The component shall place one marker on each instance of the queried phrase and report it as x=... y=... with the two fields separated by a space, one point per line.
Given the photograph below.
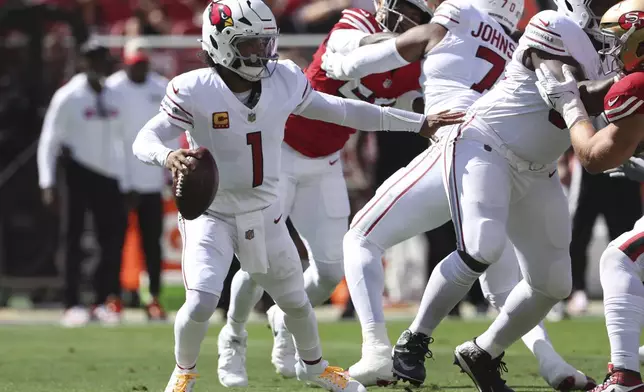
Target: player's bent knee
x=560 y=288
x=487 y=244
x=612 y=259
x=351 y=239
x=201 y=305
x=294 y=304
x=330 y=272
x=617 y=272
x=496 y=300
x=556 y=284
x=355 y=243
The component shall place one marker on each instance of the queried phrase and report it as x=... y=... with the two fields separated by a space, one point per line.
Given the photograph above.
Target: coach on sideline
x=142 y=90
x=84 y=126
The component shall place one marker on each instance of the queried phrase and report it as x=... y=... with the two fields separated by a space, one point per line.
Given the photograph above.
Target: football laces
x=178 y=188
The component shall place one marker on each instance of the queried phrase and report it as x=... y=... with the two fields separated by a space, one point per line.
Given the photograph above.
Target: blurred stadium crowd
x=40 y=45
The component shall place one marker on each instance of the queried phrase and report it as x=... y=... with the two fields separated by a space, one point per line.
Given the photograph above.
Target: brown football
x=194 y=192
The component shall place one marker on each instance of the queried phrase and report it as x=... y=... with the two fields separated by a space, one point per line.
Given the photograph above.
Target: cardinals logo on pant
x=220 y=16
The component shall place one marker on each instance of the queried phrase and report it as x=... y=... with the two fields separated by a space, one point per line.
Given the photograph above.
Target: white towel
x=251 y=242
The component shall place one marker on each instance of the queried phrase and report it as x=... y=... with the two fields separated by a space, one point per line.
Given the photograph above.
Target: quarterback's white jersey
x=468 y=61
x=246 y=143
x=515 y=110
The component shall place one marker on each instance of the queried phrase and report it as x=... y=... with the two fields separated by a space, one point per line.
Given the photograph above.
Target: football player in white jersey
x=502 y=181
x=363 y=244
x=313 y=189
x=622 y=263
x=382 y=224
x=237 y=108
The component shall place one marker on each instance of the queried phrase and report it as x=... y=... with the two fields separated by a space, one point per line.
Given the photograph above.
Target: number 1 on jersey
x=498 y=66
x=254 y=140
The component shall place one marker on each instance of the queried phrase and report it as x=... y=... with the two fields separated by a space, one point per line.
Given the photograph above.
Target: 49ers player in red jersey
x=313 y=188
x=616 y=145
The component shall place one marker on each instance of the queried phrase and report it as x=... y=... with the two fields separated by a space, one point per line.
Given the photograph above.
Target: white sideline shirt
x=143 y=100
x=95 y=142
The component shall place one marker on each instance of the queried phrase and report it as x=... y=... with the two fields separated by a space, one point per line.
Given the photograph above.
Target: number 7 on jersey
x=254 y=140
x=498 y=66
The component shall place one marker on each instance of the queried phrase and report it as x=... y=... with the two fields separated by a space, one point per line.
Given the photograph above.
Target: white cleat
x=563 y=377
x=231 y=366
x=578 y=303
x=641 y=352
x=557 y=313
x=327 y=377
x=182 y=380
x=75 y=317
x=283 y=354
x=375 y=367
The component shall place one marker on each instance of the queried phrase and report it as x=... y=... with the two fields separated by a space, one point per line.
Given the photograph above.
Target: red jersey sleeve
x=358 y=19
x=625 y=98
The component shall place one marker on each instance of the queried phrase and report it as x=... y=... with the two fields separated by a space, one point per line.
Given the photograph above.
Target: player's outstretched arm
x=365 y=116
x=376 y=38
x=148 y=146
x=384 y=56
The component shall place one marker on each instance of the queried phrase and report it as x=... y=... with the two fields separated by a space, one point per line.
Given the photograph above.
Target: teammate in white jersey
x=237 y=108
x=501 y=179
x=313 y=189
x=622 y=263
x=452 y=44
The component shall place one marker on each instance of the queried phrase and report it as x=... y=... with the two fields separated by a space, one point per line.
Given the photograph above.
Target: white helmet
x=587 y=17
x=507 y=12
x=385 y=8
x=241 y=35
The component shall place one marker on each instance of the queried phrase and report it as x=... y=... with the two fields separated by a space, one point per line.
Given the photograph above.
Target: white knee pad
x=200 y=305
x=487 y=243
x=294 y=304
x=555 y=281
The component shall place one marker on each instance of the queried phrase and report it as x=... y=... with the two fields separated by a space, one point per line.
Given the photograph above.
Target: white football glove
x=561 y=96
x=633 y=169
x=332 y=64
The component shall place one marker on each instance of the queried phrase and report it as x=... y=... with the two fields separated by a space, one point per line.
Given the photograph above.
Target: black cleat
x=482 y=369
x=409 y=355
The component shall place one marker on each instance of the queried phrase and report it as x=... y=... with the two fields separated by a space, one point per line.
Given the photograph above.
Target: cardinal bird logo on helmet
x=220 y=16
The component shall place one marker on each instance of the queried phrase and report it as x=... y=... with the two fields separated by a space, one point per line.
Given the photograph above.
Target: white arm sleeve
x=358 y=114
x=372 y=59
x=53 y=131
x=148 y=146
x=344 y=41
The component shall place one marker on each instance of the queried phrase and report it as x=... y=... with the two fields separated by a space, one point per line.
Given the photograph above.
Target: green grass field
x=139 y=358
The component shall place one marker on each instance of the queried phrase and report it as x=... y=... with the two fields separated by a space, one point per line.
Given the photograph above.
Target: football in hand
x=195 y=191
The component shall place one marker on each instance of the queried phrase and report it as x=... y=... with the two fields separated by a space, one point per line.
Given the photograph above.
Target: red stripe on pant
x=634 y=247
x=390 y=206
x=384 y=193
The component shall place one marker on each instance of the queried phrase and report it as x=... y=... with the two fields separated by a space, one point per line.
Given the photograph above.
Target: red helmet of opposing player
x=398 y=16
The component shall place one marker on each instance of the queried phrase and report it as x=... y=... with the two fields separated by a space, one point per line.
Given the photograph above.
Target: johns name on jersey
x=487 y=33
